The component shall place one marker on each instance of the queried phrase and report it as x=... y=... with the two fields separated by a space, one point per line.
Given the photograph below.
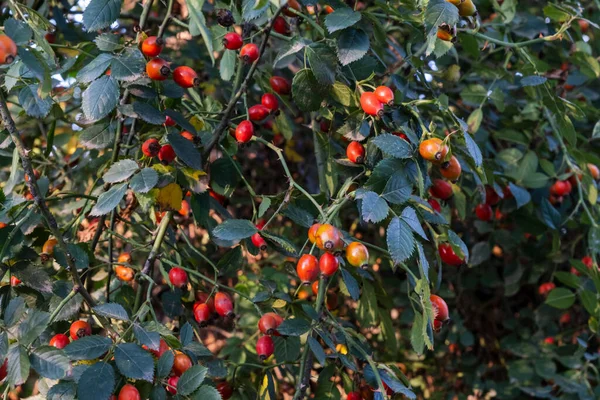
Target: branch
x=39 y=200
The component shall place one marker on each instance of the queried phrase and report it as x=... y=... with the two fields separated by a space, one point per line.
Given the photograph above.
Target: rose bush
x=255 y=199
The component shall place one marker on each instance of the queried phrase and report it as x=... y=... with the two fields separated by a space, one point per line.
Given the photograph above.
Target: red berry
x=158 y=69
x=484 y=212
x=14 y=281
x=169 y=121
x=152 y=46
x=354 y=396
x=440 y=308
x=232 y=41
x=370 y=104
x=441 y=189
x=280 y=85
x=448 y=255
x=249 y=53
x=172 y=384
x=561 y=188
x=270 y=101
x=203 y=297
x=185 y=77
x=588 y=261
x=307 y=268
x=435 y=205
x=259 y=242
x=385 y=95
x=565 y=319
x=225 y=390
x=178 y=277
x=491 y=197
x=258 y=112
x=223 y=305
x=451 y=169
x=269 y=322
x=202 y=313
x=80 y=329
x=150 y=148
x=129 y=392
x=244 y=131
x=181 y=363
x=188 y=135
x=355 y=152
x=4 y=369
x=60 y=341
x=546 y=288
x=549 y=340
x=328 y=264
x=281 y=26
x=265 y=347
x=401 y=136
x=166 y=154
x=162 y=349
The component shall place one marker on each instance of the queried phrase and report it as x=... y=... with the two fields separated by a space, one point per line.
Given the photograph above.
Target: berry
x=249 y=53
x=259 y=242
x=441 y=189
x=223 y=305
x=181 y=363
x=307 y=268
x=202 y=313
x=435 y=205
x=594 y=170
x=588 y=261
x=466 y=8
x=203 y=297
x=60 y=341
x=312 y=233
x=178 y=277
x=491 y=197
x=370 y=104
x=80 y=329
x=125 y=258
x=166 y=154
x=265 y=347
x=269 y=100
x=445 y=35
x=433 y=150
x=244 y=131
x=357 y=255
x=560 y=188
x=14 y=281
x=269 y=322
x=315 y=287
x=185 y=208
x=163 y=347
x=354 y=396
x=328 y=238
x=232 y=41
x=385 y=95
x=158 y=69
x=4 y=369
x=546 y=288
x=185 y=77
x=292 y=4
x=281 y=26
x=151 y=147
x=484 y=212
x=225 y=390
x=440 y=308
x=129 y=392
x=451 y=169
x=549 y=340
x=448 y=255
x=169 y=121
x=258 y=112
x=8 y=50
x=280 y=85
x=48 y=247
x=225 y=18
x=152 y=46
x=355 y=152
x=328 y=264
x=124 y=273
x=401 y=136
x=565 y=319
x=172 y=384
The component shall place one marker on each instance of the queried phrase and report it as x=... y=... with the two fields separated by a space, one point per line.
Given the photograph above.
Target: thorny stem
x=61 y=305
x=163 y=26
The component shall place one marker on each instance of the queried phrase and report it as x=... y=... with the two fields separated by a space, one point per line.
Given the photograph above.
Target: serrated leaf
x=287 y=349
x=367 y=306
x=456 y=241
x=18 y=365
x=374 y=208
x=185 y=151
x=227 y=65
x=107 y=41
x=409 y=215
x=197 y=25
x=191 y=379
x=180 y=119
x=560 y=298
x=416 y=334
x=62 y=391
x=120 y=171
x=144 y=180
x=33 y=276
x=146 y=338
x=206 y=393
x=50 y=362
x=341 y=18
x=165 y=364
x=147 y=113
x=438 y=12
x=393 y=145
x=128 y=66
x=186 y=334
x=317 y=350
x=78 y=254
x=323 y=62
x=97 y=136
x=134 y=362
x=97 y=382
x=550 y=216
x=31 y=102
x=95 y=68
x=281 y=244
x=533 y=80
x=400 y=240
x=18 y=31
x=110 y=199
x=88 y=347
x=100 y=98
x=307 y=92
x=32 y=326
x=112 y=310
x=293 y=327
x=353 y=44
x=398 y=188
x=520 y=194
x=235 y=229
x=101 y=13
x=351 y=284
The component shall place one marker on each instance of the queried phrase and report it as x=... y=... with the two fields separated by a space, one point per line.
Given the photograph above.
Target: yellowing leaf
x=170 y=196
x=197 y=123
x=163 y=169
x=264 y=388
x=279 y=303
x=290 y=152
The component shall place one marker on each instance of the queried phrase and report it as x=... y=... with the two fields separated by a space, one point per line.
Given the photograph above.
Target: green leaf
x=293 y=327
x=235 y=229
x=351 y=284
x=32 y=276
x=62 y=391
x=345 y=96
x=112 y=310
x=374 y=208
x=456 y=241
x=307 y=92
x=146 y=338
x=77 y=253
x=32 y=327
x=299 y=215
x=281 y=244
x=560 y=298
x=317 y=350
x=480 y=253
x=400 y=240
x=398 y=188
x=353 y=44
x=97 y=382
x=409 y=215
x=227 y=65
x=97 y=136
x=165 y=363
x=393 y=145
x=185 y=151
x=521 y=195
x=197 y=25
x=95 y=68
x=147 y=113
x=323 y=62
x=533 y=80
x=567 y=278
x=101 y=13
x=108 y=200
x=134 y=362
x=107 y=41
x=287 y=348
x=180 y=119
x=18 y=31
x=128 y=66
x=231 y=262
x=206 y=393
x=326 y=387
x=14 y=311
x=550 y=216
x=88 y=347
x=367 y=306
x=100 y=98
x=31 y=102
x=191 y=380
x=438 y=12
x=144 y=180
x=473 y=150
x=50 y=362
x=120 y=171
x=589 y=300
x=186 y=334
x=18 y=365
x=341 y=18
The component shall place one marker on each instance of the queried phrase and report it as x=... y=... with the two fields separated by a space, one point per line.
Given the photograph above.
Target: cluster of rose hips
x=258 y=113
x=436 y=150
x=372 y=103
x=158 y=69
